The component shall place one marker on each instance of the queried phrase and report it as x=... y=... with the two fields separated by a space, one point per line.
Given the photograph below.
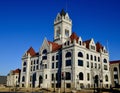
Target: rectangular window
x=37 y=61
x=98 y=66
x=88 y=76
x=88 y=64
x=91 y=65
x=68 y=85
x=37 y=67
x=52 y=58
x=52 y=65
x=68 y=62
x=52 y=77
x=46 y=76
x=105 y=67
x=95 y=65
x=80 y=62
x=56 y=64
x=56 y=57
x=46 y=66
x=24 y=69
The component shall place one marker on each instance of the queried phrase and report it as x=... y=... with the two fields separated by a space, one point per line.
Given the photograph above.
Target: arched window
x=87 y=56
x=105 y=60
x=106 y=78
x=44 y=51
x=68 y=76
x=81 y=76
x=24 y=64
x=68 y=54
x=80 y=54
x=91 y=57
x=23 y=79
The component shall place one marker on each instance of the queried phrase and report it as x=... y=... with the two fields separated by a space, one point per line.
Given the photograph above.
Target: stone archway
x=40 y=80
x=96 y=81
x=33 y=80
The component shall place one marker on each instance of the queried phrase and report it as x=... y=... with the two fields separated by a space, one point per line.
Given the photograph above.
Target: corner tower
x=62 y=27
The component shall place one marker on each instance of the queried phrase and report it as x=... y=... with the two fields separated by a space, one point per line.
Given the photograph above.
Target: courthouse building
x=67 y=61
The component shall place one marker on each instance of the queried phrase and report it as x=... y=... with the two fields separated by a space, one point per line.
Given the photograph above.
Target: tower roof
x=31 y=51
x=62 y=13
x=74 y=37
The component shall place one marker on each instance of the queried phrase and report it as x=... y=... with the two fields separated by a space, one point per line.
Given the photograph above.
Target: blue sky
x=25 y=23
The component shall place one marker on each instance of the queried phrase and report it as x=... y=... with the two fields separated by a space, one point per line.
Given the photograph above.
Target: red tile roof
x=31 y=51
x=87 y=42
x=74 y=37
x=115 y=61
x=55 y=46
x=16 y=71
x=98 y=47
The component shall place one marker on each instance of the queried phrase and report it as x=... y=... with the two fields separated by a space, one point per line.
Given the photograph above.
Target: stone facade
x=13 y=78
x=67 y=62
x=115 y=73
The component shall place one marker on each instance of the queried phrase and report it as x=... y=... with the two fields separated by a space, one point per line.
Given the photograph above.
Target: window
x=80 y=54
x=52 y=65
x=80 y=43
x=116 y=76
x=52 y=77
x=80 y=76
x=44 y=57
x=23 y=79
x=80 y=62
x=95 y=65
x=68 y=42
x=37 y=67
x=105 y=67
x=68 y=76
x=68 y=85
x=91 y=65
x=34 y=61
x=98 y=59
x=56 y=57
x=56 y=64
x=44 y=51
x=31 y=62
x=66 y=32
x=34 y=68
x=52 y=58
x=24 y=69
x=87 y=56
x=106 y=78
x=93 y=47
x=45 y=65
x=105 y=60
x=31 y=68
x=68 y=62
x=24 y=64
x=88 y=76
x=46 y=76
x=115 y=69
x=68 y=54
x=56 y=76
x=88 y=64
x=91 y=57
x=37 y=61
x=98 y=66
x=94 y=58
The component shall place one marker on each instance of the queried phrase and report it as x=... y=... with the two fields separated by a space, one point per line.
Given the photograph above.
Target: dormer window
x=92 y=47
x=66 y=32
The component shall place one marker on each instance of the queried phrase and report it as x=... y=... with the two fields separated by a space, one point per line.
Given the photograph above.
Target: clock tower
x=62 y=27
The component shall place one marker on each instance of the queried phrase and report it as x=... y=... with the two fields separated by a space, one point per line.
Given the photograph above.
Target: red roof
x=74 y=37
x=98 y=47
x=55 y=46
x=115 y=61
x=31 y=51
x=16 y=71
x=87 y=42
